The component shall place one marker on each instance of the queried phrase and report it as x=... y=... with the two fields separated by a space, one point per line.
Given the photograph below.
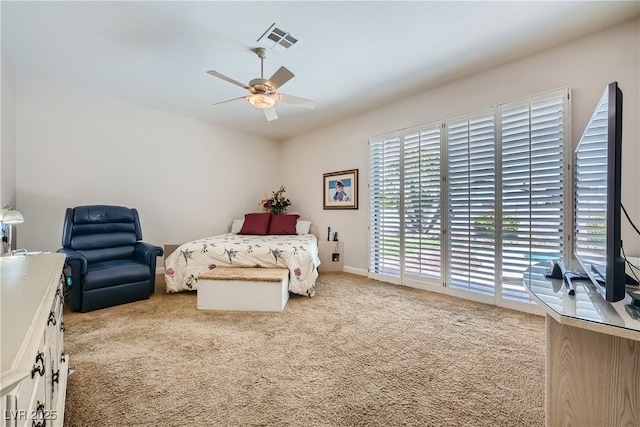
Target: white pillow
x=302 y=226
x=236 y=225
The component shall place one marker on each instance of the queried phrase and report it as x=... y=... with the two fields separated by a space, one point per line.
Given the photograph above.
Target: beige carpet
x=359 y=353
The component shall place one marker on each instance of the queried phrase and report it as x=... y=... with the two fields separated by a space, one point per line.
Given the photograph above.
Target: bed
x=296 y=252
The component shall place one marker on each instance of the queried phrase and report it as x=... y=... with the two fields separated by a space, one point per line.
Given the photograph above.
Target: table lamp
x=8 y=217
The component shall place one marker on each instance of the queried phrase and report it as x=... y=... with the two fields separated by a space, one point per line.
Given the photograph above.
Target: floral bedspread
x=298 y=253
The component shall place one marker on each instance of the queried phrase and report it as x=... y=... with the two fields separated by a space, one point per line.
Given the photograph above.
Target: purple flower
x=231 y=253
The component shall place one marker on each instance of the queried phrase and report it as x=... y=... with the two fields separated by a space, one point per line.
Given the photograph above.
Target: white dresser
x=33 y=379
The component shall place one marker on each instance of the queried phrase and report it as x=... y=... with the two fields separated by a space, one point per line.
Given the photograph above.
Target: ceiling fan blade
x=229 y=79
x=230 y=100
x=270 y=114
x=280 y=77
x=295 y=100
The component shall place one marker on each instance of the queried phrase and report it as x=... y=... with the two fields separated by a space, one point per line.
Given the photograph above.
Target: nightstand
x=331 y=255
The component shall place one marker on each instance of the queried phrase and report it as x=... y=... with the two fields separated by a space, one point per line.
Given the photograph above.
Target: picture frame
x=340 y=190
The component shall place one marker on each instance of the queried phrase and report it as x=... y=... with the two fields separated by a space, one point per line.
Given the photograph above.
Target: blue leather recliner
x=109 y=263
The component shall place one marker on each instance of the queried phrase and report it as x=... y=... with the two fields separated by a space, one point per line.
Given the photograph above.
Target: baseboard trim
x=355 y=270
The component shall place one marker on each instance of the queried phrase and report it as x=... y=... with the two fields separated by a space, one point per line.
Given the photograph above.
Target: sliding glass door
x=465 y=205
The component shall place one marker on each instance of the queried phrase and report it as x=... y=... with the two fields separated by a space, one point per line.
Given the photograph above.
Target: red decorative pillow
x=256 y=223
x=283 y=224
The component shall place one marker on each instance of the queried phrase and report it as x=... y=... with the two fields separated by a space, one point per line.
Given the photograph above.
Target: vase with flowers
x=277 y=203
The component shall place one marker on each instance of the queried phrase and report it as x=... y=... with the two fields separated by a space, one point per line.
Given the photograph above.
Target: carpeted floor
x=359 y=353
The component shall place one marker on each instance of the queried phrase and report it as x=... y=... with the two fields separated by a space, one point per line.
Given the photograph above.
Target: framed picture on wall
x=340 y=190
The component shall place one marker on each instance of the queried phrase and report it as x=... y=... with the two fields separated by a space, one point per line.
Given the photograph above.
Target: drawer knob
x=38 y=368
x=40 y=414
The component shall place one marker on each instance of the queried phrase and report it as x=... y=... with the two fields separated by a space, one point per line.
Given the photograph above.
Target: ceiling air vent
x=278 y=39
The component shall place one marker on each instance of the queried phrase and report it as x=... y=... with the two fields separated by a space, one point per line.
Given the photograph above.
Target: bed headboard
x=313 y=229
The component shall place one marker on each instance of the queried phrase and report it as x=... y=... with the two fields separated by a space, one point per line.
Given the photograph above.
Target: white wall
x=8 y=132
x=187 y=178
x=586 y=65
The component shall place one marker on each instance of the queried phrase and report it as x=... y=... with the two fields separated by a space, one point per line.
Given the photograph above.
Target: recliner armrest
x=78 y=265
x=75 y=260
x=148 y=252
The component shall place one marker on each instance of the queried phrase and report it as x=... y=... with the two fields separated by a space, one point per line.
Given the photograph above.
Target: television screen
x=597 y=169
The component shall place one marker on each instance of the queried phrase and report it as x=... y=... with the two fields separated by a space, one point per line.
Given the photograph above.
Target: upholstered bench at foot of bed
x=243 y=289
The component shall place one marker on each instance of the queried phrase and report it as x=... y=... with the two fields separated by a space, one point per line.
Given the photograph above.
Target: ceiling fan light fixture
x=262 y=101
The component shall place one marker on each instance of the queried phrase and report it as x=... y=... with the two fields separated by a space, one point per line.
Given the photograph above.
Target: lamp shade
x=10 y=216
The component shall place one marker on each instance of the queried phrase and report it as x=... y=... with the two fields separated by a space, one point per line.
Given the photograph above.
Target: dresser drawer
x=54 y=332
x=27 y=402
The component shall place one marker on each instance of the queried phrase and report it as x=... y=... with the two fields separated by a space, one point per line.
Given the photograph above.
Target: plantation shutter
x=471 y=185
x=385 y=186
x=532 y=187
x=472 y=204
x=421 y=201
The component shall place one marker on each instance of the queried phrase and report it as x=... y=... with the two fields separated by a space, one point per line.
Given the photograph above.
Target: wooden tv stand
x=592 y=354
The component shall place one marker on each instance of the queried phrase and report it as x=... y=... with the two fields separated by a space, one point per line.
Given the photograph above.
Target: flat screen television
x=597 y=174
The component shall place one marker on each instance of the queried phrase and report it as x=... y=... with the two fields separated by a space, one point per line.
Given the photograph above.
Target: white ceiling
x=353 y=55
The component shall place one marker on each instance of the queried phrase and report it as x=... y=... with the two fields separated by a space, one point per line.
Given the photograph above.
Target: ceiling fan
x=263 y=93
